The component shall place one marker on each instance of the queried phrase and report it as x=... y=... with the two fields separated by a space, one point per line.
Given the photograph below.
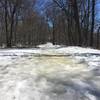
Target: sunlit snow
x=50 y=72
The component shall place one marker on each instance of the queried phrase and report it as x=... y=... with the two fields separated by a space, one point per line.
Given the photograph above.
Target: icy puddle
x=49 y=78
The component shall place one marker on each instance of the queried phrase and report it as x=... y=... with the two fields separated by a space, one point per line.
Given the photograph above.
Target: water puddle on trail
x=48 y=78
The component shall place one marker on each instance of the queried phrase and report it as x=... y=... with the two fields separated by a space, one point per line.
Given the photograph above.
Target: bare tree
x=93 y=22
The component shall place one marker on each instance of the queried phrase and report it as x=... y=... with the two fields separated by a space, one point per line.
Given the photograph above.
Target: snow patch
x=38 y=77
x=48 y=46
x=78 y=50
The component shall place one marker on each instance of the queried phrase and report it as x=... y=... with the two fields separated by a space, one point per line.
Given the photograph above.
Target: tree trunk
x=93 y=22
x=76 y=17
x=98 y=37
x=6 y=25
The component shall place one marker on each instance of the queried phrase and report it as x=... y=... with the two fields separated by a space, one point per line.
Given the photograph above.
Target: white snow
x=73 y=49
x=48 y=46
x=50 y=73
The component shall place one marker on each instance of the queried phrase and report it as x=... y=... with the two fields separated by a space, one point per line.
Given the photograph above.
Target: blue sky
x=40 y=6
x=98 y=9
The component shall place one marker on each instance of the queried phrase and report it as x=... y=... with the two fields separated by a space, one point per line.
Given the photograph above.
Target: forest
x=49 y=49
x=27 y=23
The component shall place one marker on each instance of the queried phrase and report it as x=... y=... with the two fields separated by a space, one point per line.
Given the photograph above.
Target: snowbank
x=69 y=49
x=48 y=48
x=74 y=77
x=74 y=49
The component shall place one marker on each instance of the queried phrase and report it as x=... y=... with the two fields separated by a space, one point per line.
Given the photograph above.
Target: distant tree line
x=65 y=22
x=76 y=20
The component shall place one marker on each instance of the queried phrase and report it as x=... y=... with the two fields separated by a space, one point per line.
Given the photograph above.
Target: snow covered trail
x=40 y=77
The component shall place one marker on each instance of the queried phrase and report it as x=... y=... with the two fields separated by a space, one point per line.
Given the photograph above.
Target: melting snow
x=50 y=73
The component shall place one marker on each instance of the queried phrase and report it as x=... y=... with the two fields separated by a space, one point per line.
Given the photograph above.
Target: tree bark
x=76 y=17
x=93 y=22
x=98 y=37
x=6 y=25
